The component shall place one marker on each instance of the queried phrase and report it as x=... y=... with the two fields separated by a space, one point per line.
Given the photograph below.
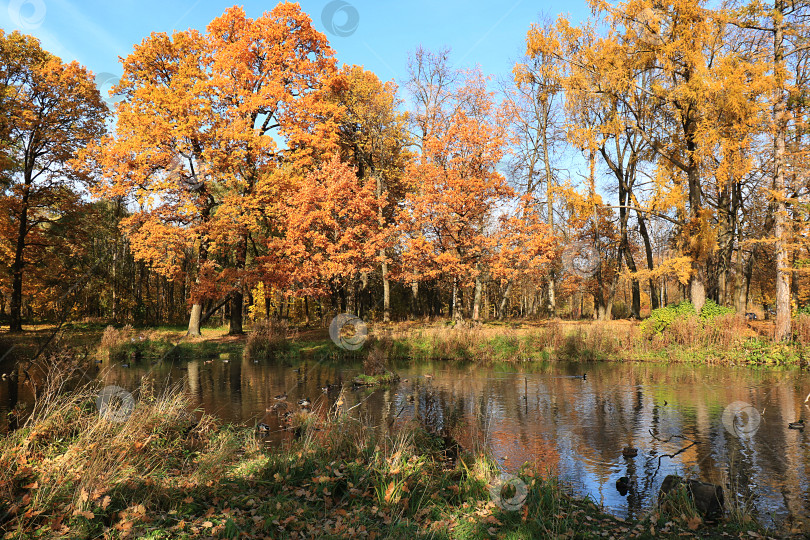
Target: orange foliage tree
x=373 y=138
x=523 y=248
x=213 y=130
x=665 y=75
x=456 y=194
x=332 y=232
x=51 y=111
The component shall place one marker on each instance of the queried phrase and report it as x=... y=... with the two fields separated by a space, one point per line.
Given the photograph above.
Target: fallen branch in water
x=684 y=449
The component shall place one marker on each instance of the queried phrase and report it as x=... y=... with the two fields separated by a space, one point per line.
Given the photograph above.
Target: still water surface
x=551 y=416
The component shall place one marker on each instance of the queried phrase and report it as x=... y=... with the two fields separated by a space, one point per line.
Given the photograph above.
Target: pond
x=549 y=415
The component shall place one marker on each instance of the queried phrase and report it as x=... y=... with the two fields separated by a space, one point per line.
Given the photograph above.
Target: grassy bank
x=726 y=339
x=672 y=335
x=166 y=473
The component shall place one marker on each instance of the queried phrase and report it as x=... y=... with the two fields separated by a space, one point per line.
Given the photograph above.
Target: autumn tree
x=332 y=232
x=674 y=82
x=373 y=138
x=523 y=249
x=51 y=110
x=206 y=134
x=431 y=83
x=456 y=190
x=785 y=25
x=534 y=101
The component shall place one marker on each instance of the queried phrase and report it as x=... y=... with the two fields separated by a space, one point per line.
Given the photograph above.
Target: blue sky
x=376 y=34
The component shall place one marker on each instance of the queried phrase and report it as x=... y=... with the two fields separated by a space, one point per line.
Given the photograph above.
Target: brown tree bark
x=476 y=314
x=782 y=331
x=19 y=260
x=237 y=298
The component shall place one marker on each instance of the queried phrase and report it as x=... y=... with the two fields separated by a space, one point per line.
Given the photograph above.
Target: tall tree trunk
x=782 y=331
x=386 y=290
x=414 y=299
x=624 y=251
x=237 y=298
x=552 y=298
x=731 y=297
x=739 y=280
x=697 y=281
x=457 y=313
x=749 y=272
x=504 y=300
x=599 y=301
x=636 y=298
x=476 y=315
x=196 y=308
x=19 y=259
x=645 y=236
x=194 y=320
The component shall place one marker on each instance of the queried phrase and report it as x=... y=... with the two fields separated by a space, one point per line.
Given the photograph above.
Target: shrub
x=114 y=337
x=122 y=344
x=269 y=337
x=660 y=319
x=712 y=309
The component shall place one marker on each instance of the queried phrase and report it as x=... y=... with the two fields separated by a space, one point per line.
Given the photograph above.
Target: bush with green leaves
x=712 y=309
x=661 y=318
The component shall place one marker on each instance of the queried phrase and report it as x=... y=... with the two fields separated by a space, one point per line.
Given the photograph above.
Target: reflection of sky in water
x=551 y=417
x=589 y=426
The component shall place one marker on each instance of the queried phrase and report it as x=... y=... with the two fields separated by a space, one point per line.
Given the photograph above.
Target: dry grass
x=129 y=343
x=722 y=339
x=114 y=337
x=67 y=458
x=801 y=328
x=591 y=341
x=269 y=337
x=724 y=332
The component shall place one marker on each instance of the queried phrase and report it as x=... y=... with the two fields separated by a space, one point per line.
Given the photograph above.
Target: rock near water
x=708 y=498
